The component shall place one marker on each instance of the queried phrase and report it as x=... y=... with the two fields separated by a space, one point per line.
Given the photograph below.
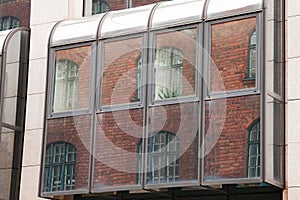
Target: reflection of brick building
x=230 y=51
x=230 y=54
x=120 y=166
x=19 y=9
x=228 y=159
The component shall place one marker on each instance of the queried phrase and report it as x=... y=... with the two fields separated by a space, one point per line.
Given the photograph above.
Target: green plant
x=168 y=93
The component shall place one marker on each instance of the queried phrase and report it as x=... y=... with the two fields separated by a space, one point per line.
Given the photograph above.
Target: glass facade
x=161 y=105
x=13 y=71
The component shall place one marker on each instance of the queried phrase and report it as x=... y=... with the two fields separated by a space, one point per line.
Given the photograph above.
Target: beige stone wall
x=292 y=99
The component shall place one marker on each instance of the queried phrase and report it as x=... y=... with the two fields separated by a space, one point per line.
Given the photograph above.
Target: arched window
x=99 y=6
x=163 y=158
x=8 y=22
x=168 y=73
x=60 y=161
x=253 y=158
x=252 y=55
x=138 y=79
x=66 y=85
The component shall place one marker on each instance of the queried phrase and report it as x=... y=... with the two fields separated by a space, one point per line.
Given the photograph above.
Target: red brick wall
x=120 y=60
x=76 y=131
x=117 y=4
x=228 y=158
x=229 y=52
x=82 y=57
x=119 y=74
x=136 y=3
x=115 y=166
x=122 y=4
x=20 y=9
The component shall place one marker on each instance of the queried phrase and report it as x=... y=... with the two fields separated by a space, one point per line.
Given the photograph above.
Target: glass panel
x=10 y=101
x=121 y=84
x=5 y=186
x=67 y=153
x=172 y=144
x=72 y=79
x=118 y=149
x=230 y=57
x=3 y=36
x=13 y=96
x=222 y=8
x=274 y=149
x=6 y=23
x=171 y=13
x=72 y=31
x=7 y=148
x=126 y=21
x=137 y=3
x=274 y=78
x=174 y=64
x=99 y=6
x=228 y=126
x=93 y=7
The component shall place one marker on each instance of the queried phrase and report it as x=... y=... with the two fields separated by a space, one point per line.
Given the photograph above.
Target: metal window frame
x=67 y=79
x=258 y=142
x=18 y=127
x=181 y=99
x=251 y=47
x=201 y=96
x=259 y=90
x=88 y=7
x=63 y=164
x=165 y=154
x=11 y=20
x=207 y=46
x=51 y=73
x=123 y=106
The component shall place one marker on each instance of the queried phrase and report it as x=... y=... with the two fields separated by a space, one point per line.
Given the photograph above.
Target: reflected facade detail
x=230 y=70
x=66 y=85
x=252 y=56
x=168 y=73
x=60 y=161
x=99 y=6
x=8 y=22
x=233 y=68
x=165 y=107
x=254 y=150
x=163 y=158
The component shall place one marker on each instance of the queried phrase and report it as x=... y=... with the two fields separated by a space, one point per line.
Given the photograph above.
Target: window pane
x=93 y=7
x=174 y=64
x=228 y=149
x=229 y=48
x=119 y=76
x=172 y=143
x=274 y=142
x=11 y=95
x=72 y=79
x=118 y=151
x=67 y=155
x=136 y=3
x=99 y=6
x=6 y=23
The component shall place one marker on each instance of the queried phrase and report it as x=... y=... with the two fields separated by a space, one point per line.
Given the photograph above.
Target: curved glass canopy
x=224 y=8
x=154 y=16
x=172 y=13
x=76 y=30
x=126 y=21
x=3 y=36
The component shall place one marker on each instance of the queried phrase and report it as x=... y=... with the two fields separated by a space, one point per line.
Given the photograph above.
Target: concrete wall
x=292 y=99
